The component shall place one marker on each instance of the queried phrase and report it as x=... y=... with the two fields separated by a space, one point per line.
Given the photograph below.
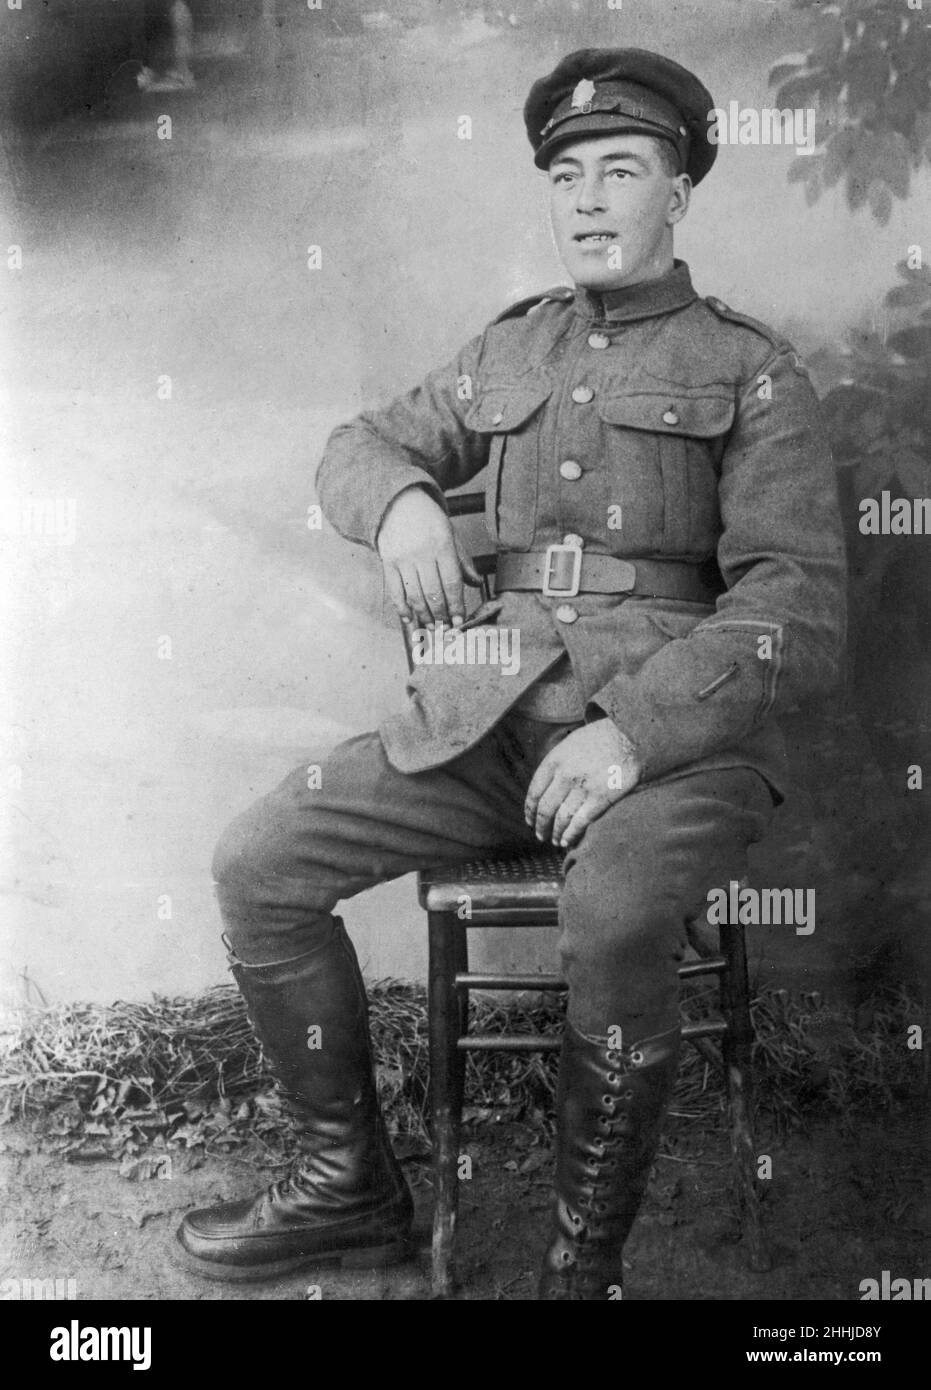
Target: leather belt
x=562 y=571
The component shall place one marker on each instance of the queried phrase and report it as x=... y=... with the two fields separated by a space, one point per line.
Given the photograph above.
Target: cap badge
x=582 y=96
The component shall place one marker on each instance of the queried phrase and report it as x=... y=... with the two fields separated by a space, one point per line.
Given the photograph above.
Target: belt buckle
x=549 y=563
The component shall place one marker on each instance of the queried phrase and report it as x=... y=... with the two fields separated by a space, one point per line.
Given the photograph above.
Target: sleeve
x=421 y=439
x=779 y=631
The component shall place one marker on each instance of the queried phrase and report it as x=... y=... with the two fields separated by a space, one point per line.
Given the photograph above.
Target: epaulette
x=725 y=311
x=775 y=340
x=562 y=293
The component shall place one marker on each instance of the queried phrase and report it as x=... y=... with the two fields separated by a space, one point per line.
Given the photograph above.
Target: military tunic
x=646 y=423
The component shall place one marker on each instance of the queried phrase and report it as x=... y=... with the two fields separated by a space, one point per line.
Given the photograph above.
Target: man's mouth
x=594 y=238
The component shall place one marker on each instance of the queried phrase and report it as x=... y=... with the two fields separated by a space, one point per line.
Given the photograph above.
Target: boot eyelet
x=612 y=1078
x=636 y=1058
x=628 y=1095
x=613 y=1058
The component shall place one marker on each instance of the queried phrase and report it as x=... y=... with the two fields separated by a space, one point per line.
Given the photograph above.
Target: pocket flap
x=700 y=416
x=500 y=409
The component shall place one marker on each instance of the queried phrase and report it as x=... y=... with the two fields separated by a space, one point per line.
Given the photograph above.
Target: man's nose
x=591 y=194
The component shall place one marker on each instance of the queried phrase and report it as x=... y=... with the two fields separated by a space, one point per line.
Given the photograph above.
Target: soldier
x=663 y=506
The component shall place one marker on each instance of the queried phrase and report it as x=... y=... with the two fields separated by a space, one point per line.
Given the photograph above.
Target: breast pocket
x=662 y=456
x=508 y=412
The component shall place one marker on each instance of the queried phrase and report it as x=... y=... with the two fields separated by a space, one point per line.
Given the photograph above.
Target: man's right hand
x=425 y=569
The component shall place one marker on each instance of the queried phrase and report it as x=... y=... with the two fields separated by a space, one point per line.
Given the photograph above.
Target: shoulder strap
x=724 y=311
x=561 y=293
x=775 y=340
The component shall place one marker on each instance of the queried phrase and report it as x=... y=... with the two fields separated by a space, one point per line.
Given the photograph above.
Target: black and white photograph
x=465 y=518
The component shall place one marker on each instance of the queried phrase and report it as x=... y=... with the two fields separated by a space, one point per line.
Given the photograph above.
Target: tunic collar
x=641 y=301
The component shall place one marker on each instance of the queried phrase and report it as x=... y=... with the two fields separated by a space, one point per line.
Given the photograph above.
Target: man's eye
x=619 y=173
x=565 y=177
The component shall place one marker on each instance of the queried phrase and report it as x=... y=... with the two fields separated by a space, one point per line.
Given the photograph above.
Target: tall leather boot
x=346 y=1201
x=610 y=1106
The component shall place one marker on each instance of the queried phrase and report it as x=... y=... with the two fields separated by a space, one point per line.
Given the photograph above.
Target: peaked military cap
x=605 y=91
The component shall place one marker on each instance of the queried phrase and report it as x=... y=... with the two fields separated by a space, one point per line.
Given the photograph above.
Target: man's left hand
x=578 y=780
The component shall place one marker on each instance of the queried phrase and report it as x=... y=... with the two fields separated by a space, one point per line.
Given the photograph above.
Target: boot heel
x=373 y=1255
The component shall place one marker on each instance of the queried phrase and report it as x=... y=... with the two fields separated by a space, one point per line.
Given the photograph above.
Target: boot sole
x=363 y=1257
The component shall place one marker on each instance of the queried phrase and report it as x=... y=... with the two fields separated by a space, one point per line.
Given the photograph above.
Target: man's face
x=613 y=205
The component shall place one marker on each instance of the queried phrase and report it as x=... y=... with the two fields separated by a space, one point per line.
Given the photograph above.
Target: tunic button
x=670 y=417
x=598 y=340
x=566 y=613
x=570 y=470
x=573 y=539
x=582 y=395
x=497 y=417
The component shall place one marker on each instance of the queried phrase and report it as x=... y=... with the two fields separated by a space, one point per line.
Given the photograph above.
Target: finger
x=467 y=566
x=538 y=785
x=395 y=586
x=432 y=586
x=451 y=577
x=572 y=802
x=591 y=808
x=548 y=805
x=414 y=592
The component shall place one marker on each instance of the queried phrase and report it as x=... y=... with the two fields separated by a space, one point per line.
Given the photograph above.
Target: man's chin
x=597 y=276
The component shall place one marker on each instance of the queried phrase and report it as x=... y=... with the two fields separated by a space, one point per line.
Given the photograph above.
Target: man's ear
x=679 y=199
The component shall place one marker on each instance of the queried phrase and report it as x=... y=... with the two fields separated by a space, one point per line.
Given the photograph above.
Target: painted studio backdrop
x=233 y=225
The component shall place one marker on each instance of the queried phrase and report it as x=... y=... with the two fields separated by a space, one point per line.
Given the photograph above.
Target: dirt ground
x=841 y=1208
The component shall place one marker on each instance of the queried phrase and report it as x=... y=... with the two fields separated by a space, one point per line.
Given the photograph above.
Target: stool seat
x=525 y=884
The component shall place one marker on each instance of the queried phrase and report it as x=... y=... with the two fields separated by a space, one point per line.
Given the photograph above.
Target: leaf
x=894 y=156
x=89 y=1153
x=869 y=346
x=838 y=154
x=833 y=363
x=880 y=200
x=535 y=1160
x=847 y=408
x=867 y=70
x=803 y=168
x=802 y=90
x=830 y=39
x=917 y=274
x=873 y=425
x=908 y=296
x=856 y=188
x=922 y=132
x=145 y=1168
x=912 y=342
x=189 y=1161
x=788 y=66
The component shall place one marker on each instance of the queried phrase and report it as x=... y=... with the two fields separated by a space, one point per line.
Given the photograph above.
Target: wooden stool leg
x=447 y=954
x=736 y=1048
